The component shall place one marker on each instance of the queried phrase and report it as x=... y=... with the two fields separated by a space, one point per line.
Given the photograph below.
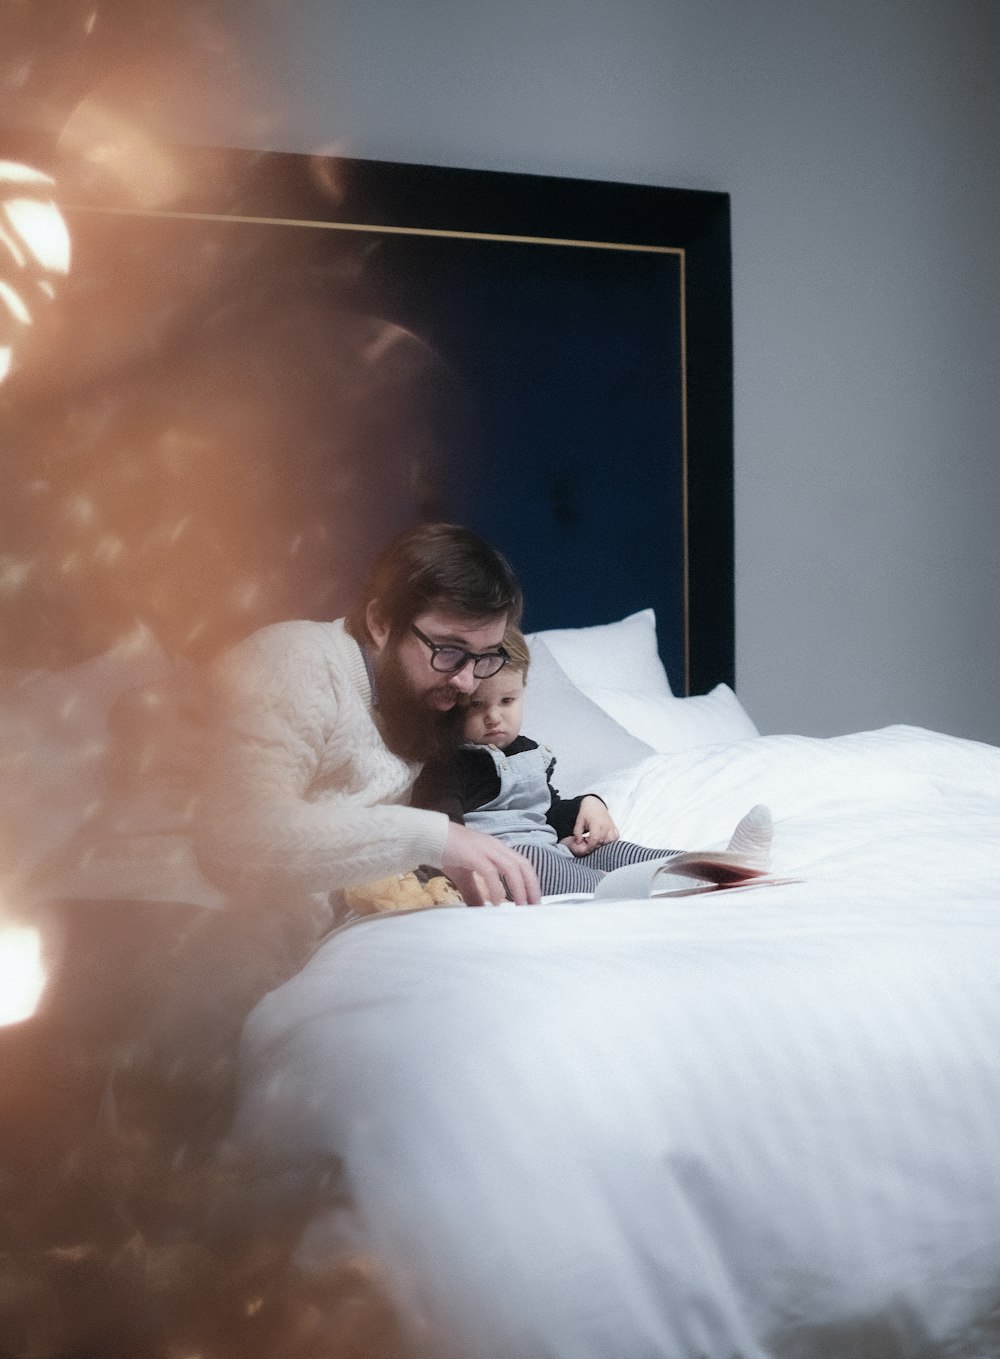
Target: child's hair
x=518 y=655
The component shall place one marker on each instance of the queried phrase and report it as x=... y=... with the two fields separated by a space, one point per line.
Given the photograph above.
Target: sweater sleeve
x=563 y=811
x=277 y=709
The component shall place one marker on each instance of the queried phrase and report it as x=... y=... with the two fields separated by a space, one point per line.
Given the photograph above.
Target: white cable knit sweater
x=302 y=794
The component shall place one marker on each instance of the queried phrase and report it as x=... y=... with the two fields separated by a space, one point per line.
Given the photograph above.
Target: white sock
x=752 y=837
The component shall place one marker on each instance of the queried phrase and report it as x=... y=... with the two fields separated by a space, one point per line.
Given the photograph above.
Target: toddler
x=500 y=782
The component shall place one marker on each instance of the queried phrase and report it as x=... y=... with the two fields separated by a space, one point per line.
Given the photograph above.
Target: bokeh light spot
x=22 y=975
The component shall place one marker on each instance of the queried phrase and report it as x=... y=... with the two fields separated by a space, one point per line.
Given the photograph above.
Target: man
x=319 y=730
x=213 y=871
x=315 y=732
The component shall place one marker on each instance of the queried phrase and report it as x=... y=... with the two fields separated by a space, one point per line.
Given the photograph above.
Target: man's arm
x=482 y=868
x=277 y=701
x=485 y=870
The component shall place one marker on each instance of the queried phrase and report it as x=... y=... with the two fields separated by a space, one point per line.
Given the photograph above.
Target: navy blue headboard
x=587 y=328
x=299 y=356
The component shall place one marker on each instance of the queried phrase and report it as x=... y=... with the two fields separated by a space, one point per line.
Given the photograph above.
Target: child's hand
x=593 y=827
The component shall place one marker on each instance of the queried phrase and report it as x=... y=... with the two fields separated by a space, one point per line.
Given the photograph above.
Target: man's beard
x=410 y=726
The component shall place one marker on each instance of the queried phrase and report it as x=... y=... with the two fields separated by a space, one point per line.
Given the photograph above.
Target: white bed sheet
x=763 y=1123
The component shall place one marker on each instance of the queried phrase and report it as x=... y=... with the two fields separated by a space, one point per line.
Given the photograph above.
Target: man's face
x=414 y=698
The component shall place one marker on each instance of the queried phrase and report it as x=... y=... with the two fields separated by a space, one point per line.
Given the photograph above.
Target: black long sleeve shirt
x=468 y=779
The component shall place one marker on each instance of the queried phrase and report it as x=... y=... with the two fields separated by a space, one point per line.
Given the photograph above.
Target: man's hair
x=518 y=653
x=436 y=566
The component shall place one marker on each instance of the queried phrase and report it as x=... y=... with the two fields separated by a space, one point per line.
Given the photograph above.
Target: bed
x=756 y=1123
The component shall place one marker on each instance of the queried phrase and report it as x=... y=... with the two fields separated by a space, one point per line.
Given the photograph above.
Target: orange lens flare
x=34 y=248
x=143 y=172
x=41 y=228
x=14 y=304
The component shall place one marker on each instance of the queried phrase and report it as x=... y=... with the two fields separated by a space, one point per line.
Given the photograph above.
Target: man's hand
x=484 y=869
x=593 y=827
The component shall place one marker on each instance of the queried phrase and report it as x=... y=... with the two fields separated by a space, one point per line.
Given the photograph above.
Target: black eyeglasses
x=449 y=660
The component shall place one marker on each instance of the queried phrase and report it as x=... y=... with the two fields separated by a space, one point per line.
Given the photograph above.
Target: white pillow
x=621 y=655
x=587 y=743
x=672 y=724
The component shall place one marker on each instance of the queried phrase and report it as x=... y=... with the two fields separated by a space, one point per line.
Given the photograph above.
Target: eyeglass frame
x=498 y=653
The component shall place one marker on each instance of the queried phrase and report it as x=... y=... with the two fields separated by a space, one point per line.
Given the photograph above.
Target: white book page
x=682 y=875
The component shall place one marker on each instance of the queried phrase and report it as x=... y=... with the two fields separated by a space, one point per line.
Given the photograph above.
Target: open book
x=685 y=874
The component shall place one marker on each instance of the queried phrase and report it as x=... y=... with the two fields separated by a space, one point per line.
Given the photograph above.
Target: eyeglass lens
x=449 y=659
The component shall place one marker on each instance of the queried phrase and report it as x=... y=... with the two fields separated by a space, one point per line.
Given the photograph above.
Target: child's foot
x=752 y=837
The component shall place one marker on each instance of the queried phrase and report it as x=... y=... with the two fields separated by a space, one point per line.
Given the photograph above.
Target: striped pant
x=560 y=871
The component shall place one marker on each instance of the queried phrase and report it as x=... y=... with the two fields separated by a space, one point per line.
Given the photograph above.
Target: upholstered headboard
x=297 y=356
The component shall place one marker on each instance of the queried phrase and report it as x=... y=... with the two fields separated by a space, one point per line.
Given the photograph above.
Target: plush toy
x=402 y=892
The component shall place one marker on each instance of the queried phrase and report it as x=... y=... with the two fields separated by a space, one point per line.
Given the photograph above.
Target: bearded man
x=319 y=730
x=243 y=804
x=181 y=908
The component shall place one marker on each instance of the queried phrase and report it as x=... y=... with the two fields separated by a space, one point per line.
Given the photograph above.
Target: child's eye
x=507 y=702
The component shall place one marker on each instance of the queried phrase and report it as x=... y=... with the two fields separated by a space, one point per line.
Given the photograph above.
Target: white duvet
x=747 y=1124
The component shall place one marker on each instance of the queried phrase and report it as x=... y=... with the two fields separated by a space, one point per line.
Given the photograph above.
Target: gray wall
x=858 y=139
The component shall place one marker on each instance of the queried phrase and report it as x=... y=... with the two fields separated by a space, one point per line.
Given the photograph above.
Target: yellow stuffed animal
x=401 y=892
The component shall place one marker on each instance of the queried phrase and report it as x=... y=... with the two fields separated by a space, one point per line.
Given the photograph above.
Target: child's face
x=493 y=711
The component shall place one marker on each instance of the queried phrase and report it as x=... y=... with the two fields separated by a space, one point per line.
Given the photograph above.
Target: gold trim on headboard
x=441 y=232
x=384 y=229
